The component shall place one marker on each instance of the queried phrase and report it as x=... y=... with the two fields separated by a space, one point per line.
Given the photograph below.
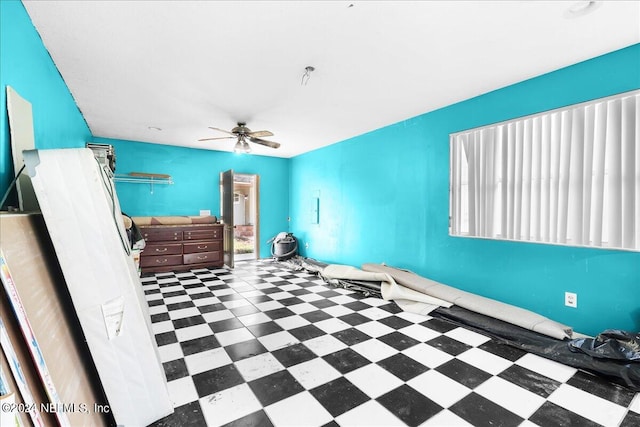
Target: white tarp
x=82 y=214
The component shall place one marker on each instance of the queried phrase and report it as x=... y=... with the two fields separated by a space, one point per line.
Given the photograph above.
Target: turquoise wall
x=384 y=198
x=26 y=66
x=196 y=176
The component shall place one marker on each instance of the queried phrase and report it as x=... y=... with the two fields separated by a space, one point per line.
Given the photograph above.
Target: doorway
x=242 y=239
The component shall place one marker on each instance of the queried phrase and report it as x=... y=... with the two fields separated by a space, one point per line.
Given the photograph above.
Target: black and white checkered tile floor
x=260 y=345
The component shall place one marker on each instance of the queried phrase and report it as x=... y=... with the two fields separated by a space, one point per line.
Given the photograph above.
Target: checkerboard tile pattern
x=264 y=346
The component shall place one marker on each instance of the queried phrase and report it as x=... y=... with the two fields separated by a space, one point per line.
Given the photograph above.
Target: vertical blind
x=569 y=176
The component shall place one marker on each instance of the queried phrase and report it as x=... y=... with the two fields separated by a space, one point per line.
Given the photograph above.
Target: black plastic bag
x=610 y=344
x=621 y=371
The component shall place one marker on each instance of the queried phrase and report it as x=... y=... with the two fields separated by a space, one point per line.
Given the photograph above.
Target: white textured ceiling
x=182 y=66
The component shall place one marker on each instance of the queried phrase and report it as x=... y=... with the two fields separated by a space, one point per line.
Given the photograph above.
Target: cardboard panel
x=35 y=272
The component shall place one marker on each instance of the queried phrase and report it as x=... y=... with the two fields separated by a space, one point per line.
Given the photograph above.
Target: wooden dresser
x=181 y=247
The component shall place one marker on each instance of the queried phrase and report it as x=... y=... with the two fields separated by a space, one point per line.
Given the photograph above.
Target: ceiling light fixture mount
x=581 y=8
x=307 y=75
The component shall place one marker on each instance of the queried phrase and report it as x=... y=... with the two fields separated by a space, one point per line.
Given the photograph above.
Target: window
x=570 y=176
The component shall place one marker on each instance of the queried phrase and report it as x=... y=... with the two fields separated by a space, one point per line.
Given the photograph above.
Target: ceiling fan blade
x=220 y=137
x=259 y=133
x=222 y=130
x=271 y=144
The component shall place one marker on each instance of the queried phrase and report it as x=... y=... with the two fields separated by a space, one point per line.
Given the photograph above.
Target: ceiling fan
x=244 y=134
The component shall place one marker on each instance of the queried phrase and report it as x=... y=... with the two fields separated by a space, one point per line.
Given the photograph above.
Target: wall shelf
x=144 y=178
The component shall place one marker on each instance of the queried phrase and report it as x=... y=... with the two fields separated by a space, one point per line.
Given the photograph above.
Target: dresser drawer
x=162 y=249
x=161 y=235
x=161 y=260
x=181 y=247
x=209 y=234
x=201 y=257
x=209 y=246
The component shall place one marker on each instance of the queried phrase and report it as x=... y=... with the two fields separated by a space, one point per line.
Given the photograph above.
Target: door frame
x=227 y=199
x=253 y=182
x=226 y=211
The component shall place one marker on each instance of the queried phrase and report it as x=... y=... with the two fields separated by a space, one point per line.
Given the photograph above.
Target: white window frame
x=569 y=176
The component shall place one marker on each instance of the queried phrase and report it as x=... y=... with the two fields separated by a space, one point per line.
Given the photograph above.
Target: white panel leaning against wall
x=569 y=176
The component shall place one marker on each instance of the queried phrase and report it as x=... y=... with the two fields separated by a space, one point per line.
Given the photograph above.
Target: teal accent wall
x=26 y=66
x=384 y=197
x=196 y=176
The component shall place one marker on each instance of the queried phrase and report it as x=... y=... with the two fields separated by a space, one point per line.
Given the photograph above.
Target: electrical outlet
x=306 y=245
x=571 y=299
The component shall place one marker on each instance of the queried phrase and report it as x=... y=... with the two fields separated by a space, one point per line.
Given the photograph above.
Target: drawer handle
x=203 y=257
x=161 y=261
x=203 y=247
x=161 y=250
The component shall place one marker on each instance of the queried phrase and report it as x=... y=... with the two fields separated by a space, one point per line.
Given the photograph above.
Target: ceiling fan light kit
x=238 y=148
x=242 y=146
x=242 y=133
